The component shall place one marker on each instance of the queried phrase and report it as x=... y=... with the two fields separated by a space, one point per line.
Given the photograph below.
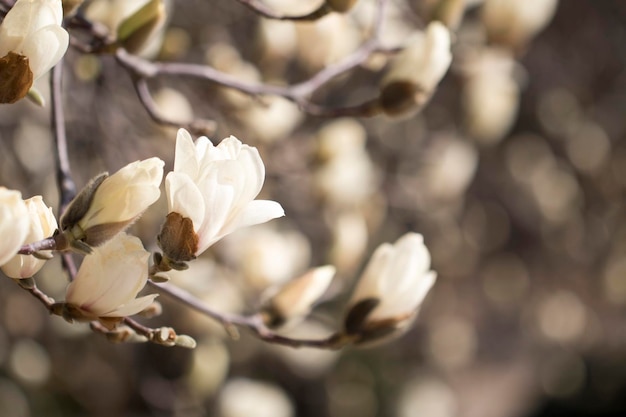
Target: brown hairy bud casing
x=16 y=78
x=178 y=239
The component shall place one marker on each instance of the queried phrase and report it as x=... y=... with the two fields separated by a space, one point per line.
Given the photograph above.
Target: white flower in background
x=211 y=193
x=514 y=22
x=137 y=24
x=42 y=225
x=416 y=71
x=391 y=289
x=110 y=204
x=109 y=280
x=32 y=29
x=13 y=223
x=295 y=300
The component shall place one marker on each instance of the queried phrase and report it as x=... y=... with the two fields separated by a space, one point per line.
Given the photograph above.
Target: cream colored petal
x=42 y=225
x=132 y=307
x=125 y=194
x=184 y=197
x=185 y=160
x=369 y=284
x=14 y=223
x=111 y=276
x=257 y=212
x=45 y=48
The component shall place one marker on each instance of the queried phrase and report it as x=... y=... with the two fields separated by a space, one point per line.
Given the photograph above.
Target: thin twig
x=254 y=323
x=67 y=187
x=197 y=126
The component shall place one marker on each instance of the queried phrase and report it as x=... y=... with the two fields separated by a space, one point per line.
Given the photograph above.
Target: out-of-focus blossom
x=416 y=71
x=211 y=193
x=31 y=42
x=391 y=289
x=346 y=177
x=490 y=95
x=295 y=300
x=14 y=220
x=254 y=251
x=42 y=225
x=110 y=204
x=137 y=24
x=109 y=280
x=244 y=397
x=514 y=22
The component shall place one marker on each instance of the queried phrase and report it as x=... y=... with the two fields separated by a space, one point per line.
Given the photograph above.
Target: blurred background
x=515 y=174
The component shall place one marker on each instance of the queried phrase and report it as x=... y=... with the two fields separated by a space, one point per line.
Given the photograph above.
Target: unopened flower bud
x=108 y=205
x=42 y=225
x=295 y=300
x=136 y=31
x=390 y=291
x=185 y=341
x=416 y=71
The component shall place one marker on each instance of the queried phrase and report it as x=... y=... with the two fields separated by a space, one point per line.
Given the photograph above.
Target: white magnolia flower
x=391 y=289
x=416 y=71
x=42 y=225
x=111 y=204
x=109 y=280
x=214 y=188
x=32 y=29
x=295 y=300
x=13 y=223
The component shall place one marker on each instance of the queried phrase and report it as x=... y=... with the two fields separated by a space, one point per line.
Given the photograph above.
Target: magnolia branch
x=300 y=93
x=253 y=323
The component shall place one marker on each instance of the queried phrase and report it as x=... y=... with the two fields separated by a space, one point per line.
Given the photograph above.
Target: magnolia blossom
x=110 y=204
x=416 y=71
x=211 y=193
x=109 y=280
x=391 y=289
x=295 y=300
x=13 y=223
x=31 y=29
x=42 y=225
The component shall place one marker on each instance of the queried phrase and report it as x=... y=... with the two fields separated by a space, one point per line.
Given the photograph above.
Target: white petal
x=184 y=197
x=14 y=223
x=132 y=307
x=45 y=48
x=257 y=212
x=185 y=160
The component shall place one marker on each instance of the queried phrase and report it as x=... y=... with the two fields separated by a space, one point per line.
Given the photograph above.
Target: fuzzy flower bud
x=31 y=42
x=416 y=71
x=13 y=223
x=110 y=204
x=294 y=300
x=42 y=225
x=108 y=282
x=391 y=289
x=210 y=194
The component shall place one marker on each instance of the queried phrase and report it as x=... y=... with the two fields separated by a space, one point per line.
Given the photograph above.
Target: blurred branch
x=197 y=126
x=300 y=93
x=253 y=323
x=67 y=187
